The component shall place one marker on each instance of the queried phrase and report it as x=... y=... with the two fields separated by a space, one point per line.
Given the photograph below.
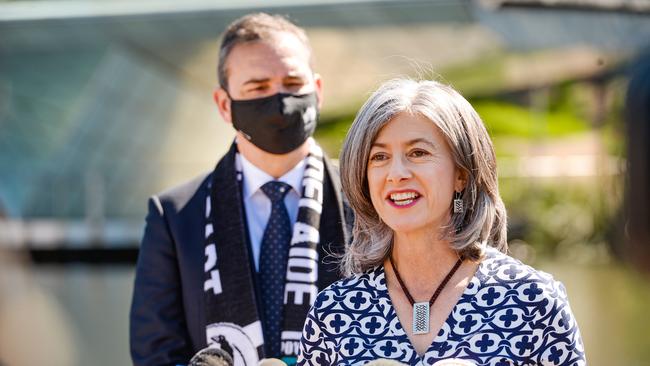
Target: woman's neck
x=422 y=259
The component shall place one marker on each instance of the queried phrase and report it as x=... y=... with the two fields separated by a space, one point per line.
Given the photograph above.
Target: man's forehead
x=265 y=58
x=269 y=70
x=276 y=45
x=289 y=41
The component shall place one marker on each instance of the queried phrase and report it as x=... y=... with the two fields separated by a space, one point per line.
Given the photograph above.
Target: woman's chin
x=405 y=227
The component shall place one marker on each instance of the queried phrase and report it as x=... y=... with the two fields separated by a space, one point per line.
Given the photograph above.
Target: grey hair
x=483 y=220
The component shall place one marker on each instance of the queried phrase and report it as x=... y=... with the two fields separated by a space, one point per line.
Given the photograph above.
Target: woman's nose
x=398 y=171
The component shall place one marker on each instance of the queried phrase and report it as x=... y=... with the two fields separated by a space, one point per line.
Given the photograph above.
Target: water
x=73 y=315
x=610 y=303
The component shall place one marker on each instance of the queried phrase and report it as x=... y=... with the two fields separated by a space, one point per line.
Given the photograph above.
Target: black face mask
x=277 y=124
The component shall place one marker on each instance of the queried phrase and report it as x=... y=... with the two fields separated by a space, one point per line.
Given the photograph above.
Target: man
x=234 y=259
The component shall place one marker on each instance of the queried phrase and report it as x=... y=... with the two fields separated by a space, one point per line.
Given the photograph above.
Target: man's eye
x=294 y=85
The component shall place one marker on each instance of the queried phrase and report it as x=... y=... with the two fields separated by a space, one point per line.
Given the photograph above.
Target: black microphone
x=211 y=357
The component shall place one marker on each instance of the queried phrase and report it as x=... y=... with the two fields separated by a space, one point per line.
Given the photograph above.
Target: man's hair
x=481 y=224
x=251 y=28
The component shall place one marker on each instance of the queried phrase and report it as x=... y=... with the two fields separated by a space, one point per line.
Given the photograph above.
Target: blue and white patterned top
x=509 y=314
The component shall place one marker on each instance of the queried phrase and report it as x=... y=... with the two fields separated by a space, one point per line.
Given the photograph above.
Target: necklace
x=421 y=309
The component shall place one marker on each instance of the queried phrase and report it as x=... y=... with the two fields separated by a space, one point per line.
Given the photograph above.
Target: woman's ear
x=461 y=180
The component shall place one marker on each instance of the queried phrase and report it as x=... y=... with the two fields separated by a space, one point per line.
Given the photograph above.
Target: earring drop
x=458 y=203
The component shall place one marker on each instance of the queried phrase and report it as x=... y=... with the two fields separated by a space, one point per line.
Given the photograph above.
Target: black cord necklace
x=421 y=309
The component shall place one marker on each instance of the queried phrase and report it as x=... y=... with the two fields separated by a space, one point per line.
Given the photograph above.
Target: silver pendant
x=421 y=318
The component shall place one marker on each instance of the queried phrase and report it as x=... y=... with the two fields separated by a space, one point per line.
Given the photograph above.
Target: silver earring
x=458 y=203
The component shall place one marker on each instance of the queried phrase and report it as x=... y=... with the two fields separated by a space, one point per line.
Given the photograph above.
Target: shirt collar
x=255 y=178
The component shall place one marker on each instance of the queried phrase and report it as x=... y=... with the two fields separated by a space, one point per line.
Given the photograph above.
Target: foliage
x=503 y=118
x=331 y=131
x=559 y=217
x=484 y=77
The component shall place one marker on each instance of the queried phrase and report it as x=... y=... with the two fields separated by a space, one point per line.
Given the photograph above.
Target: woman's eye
x=378 y=157
x=419 y=153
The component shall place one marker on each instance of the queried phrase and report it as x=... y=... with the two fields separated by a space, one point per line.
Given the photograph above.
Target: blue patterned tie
x=273 y=264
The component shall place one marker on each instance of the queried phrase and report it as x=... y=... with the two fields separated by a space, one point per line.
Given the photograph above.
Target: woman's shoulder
x=527 y=305
x=498 y=267
x=502 y=276
x=342 y=309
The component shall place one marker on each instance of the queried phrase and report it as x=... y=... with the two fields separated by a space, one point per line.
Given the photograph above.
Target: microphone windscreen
x=454 y=362
x=211 y=357
x=384 y=362
x=271 y=362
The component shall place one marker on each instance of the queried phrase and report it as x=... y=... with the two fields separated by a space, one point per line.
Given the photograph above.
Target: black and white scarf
x=233 y=322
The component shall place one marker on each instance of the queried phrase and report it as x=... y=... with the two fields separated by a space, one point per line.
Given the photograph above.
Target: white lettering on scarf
x=214 y=282
x=302 y=265
x=290 y=342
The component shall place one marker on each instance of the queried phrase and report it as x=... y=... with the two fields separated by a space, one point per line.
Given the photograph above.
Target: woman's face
x=411 y=175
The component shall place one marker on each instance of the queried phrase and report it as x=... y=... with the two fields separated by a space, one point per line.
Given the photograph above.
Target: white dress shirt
x=258 y=205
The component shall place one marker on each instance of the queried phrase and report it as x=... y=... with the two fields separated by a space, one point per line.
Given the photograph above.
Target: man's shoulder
x=181 y=195
x=333 y=164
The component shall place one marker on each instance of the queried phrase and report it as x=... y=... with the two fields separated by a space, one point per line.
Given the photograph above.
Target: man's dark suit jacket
x=168 y=320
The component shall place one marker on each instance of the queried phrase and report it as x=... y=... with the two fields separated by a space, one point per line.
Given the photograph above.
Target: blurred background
x=104 y=103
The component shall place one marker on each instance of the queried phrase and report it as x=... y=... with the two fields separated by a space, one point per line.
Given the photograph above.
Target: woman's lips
x=403 y=199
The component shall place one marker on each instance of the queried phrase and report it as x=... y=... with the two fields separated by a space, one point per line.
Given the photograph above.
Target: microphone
x=447 y=362
x=454 y=362
x=211 y=357
x=384 y=362
x=271 y=362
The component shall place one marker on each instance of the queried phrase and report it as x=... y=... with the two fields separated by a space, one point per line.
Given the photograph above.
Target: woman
x=428 y=279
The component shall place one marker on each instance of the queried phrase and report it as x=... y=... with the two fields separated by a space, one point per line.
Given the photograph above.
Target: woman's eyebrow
x=420 y=140
x=407 y=143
